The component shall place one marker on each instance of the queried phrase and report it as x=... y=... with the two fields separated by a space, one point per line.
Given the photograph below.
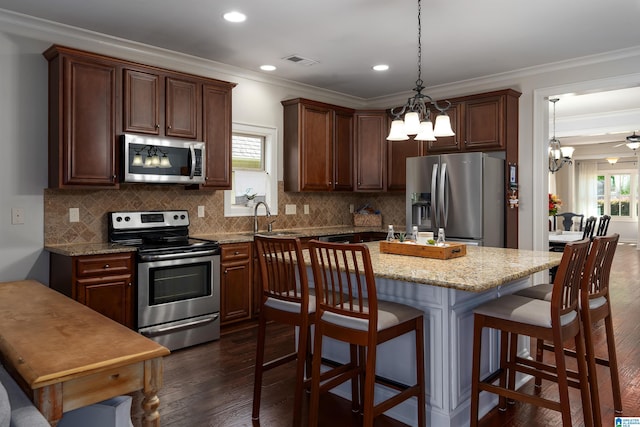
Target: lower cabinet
x=103 y=283
x=235 y=282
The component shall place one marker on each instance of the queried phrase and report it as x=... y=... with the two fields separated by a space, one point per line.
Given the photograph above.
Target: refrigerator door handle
x=443 y=196
x=434 y=198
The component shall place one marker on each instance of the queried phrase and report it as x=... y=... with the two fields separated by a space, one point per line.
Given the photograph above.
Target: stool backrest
x=603 y=225
x=589 y=227
x=566 y=285
x=595 y=281
x=283 y=271
x=343 y=279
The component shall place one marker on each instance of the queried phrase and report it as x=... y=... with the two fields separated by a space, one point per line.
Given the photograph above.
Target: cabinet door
x=449 y=144
x=109 y=296
x=343 y=151
x=216 y=109
x=397 y=154
x=484 y=124
x=182 y=108
x=87 y=123
x=235 y=291
x=316 y=148
x=371 y=149
x=141 y=102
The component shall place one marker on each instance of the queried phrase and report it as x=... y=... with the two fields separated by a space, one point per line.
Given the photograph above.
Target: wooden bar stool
x=595 y=306
x=285 y=299
x=348 y=310
x=556 y=321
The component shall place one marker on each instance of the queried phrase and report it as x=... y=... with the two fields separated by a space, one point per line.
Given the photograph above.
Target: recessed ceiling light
x=235 y=16
x=381 y=67
x=267 y=68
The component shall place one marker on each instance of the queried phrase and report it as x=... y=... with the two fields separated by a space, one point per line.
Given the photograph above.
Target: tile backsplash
x=325 y=209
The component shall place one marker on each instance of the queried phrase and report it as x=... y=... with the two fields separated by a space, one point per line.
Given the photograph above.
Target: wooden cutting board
x=450 y=250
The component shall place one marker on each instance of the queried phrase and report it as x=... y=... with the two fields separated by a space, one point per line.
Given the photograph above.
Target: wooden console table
x=65 y=355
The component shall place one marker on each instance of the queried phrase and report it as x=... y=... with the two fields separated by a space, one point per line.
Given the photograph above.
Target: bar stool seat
x=556 y=320
x=285 y=299
x=594 y=306
x=348 y=310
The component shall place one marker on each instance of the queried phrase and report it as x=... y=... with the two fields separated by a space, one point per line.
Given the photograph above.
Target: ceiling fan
x=632 y=141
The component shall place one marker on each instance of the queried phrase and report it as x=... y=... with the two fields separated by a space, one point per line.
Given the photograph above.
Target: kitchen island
x=446 y=291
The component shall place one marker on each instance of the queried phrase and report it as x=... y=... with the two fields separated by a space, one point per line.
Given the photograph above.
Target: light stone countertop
x=481 y=269
x=80 y=249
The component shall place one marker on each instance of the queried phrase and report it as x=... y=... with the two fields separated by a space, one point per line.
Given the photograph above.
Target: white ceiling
x=461 y=39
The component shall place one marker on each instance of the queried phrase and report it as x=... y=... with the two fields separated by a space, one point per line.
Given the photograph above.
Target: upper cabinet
x=83 y=107
x=160 y=104
x=482 y=122
x=216 y=132
x=317 y=146
x=93 y=99
x=371 y=150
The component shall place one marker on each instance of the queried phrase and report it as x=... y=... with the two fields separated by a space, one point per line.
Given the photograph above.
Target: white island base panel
x=448 y=315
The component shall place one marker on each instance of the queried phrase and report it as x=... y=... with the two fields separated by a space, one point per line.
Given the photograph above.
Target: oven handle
x=152 y=332
x=178 y=255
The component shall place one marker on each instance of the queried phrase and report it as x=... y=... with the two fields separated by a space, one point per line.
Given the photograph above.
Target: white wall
x=256 y=100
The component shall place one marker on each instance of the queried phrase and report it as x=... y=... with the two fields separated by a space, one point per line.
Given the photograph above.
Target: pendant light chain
x=419 y=81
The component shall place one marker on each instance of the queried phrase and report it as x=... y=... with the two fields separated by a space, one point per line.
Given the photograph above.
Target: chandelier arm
x=440 y=108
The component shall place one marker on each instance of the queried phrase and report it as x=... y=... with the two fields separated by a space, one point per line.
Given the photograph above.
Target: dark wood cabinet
x=343 y=151
x=159 y=104
x=103 y=283
x=141 y=102
x=235 y=282
x=93 y=99
x=485 y=124
x=312 y=137
x=83 y=99
x=183 y=108
x=216 y=132
x=397 y=154
x=370 y=150
x=448 y=144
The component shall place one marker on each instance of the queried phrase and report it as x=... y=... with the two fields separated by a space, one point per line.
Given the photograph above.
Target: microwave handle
x=193 y=161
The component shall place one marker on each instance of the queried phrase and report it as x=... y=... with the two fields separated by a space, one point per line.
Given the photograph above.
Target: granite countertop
x=80 y=249
x=247 y=236
x=481 y=269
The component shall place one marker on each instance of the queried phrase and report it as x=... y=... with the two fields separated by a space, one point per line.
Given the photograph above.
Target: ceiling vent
x=300 y=60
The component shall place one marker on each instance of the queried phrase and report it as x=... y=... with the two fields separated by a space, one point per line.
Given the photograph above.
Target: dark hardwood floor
x=212 y=384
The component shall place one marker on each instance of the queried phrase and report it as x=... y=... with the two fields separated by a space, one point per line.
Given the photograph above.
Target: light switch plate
x=74 y=215
x=290 y=209
x=200 y=211
x=306 y=209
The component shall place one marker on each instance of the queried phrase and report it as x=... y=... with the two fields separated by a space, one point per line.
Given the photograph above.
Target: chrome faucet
x=255 y=215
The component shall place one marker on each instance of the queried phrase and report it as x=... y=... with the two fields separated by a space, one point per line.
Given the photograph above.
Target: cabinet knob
x=130 y=284
x=169 y=127
x=157 y=126
x=106 y=266
x=236 y=253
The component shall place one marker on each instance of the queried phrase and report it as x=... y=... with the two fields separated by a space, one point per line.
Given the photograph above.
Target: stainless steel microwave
x=164 y=161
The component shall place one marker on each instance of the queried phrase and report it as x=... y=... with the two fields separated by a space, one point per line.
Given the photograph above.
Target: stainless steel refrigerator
x=462 y=193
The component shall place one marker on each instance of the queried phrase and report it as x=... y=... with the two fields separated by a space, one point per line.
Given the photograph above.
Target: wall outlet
x=200 y=211
x=351 y=208
x=17 y=216
x=306 y=209
x=289 y=209
x=74 y=215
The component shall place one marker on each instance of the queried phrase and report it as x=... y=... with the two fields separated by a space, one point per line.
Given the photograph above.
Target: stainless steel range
x=178 y=277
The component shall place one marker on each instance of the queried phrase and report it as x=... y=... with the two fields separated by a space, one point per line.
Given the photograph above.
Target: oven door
x=170 y=290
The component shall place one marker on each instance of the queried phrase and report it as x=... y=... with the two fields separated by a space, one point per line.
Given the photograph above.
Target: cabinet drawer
x=101 y=265
x=89 y=389
x=235 y=251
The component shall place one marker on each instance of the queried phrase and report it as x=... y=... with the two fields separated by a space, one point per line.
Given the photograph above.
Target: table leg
x=48 y=400
x=152 y=382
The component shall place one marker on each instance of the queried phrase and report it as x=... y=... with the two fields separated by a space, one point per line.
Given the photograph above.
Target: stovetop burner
x=156 y=232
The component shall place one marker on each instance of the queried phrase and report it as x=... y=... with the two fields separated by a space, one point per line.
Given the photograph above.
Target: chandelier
x=417 y=115
x=558 y=155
